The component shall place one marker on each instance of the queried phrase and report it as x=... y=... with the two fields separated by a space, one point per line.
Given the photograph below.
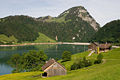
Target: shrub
x=66 y=56
x=87 y=62
x=81 y=63
x=15 y=71
x=74 y=66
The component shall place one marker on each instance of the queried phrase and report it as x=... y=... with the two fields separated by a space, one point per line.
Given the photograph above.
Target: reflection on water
x=5 y=69
x=52 y=51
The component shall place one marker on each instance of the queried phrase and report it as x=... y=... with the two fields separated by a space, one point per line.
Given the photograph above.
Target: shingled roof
x=50 y=62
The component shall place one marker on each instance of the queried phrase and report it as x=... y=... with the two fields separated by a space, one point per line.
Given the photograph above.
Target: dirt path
x=104 y=61
x=91 y=53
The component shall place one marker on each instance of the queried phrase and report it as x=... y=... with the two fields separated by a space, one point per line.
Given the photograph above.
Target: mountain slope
x=109 y=33
x=22 y=27
x=80 y=12
x=43 y=39
x=73 y=25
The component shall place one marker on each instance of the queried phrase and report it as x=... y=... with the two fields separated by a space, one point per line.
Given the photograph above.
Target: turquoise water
x=52 y=51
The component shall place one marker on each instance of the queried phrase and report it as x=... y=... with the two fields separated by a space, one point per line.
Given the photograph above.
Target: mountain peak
x=73 y=25
x=73 y=10
x=81 y=12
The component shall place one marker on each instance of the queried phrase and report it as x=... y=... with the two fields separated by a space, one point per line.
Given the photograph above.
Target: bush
x=87 y=62
x=99 y=59
x=74 y=66
x=15 y=71
x=81 y=63
x=66 y=56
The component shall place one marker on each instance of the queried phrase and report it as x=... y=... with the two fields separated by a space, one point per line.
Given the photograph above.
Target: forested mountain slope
x=109 y=33
x=73 y=25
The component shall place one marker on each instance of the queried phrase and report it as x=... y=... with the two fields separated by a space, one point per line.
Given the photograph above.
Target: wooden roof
x=50 y=62
x=97 y=44
x=103 y=46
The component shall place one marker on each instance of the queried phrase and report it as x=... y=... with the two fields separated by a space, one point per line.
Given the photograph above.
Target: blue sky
x=103 y=11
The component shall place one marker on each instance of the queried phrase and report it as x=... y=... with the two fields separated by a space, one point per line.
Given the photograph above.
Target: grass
x=44 y=39
x=108 y=70
x=74 y=58
x=59 y=20
x=41 y=39
x=21 y=76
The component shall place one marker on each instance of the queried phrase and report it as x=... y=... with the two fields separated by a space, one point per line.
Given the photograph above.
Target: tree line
x=32 y=60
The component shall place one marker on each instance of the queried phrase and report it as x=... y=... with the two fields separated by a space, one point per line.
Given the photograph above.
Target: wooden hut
x=104 y=47
x=99 y=47
x=53 y=68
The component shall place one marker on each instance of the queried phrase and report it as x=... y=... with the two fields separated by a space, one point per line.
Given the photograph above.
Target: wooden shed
x=105 y=47
x=53 y=68
x=99 y=47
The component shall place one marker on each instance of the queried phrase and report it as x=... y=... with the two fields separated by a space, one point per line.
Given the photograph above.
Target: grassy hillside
x=43 y=39
x=7 y=40
x=108 y=70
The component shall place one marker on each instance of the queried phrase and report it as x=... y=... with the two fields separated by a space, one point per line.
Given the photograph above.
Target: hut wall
x=55 y=69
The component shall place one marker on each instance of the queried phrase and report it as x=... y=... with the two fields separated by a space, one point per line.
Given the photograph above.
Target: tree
x=15 y=62
x=30 y=61
x=34 y=60
x=66 y=56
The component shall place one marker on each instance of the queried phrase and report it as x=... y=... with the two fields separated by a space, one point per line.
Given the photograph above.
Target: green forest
x=67 y=27
x=108 y=33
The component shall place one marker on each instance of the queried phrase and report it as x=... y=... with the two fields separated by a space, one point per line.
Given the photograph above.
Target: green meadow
x=44 y=39
x=109 y=69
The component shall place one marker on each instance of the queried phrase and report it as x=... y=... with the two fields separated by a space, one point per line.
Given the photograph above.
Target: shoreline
x=25 y=44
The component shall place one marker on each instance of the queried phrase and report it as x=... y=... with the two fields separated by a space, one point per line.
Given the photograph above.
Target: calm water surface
x=52 y=51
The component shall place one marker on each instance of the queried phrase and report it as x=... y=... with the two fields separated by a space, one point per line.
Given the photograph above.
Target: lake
x=52 y=51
